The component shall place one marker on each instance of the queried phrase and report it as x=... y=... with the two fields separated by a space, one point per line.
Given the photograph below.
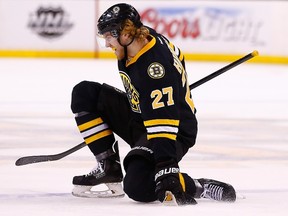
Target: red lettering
x=192 y=30
x=171 y=28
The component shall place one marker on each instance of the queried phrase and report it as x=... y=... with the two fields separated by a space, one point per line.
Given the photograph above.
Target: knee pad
x=85 y=96
x=138 y=182
x=142 y=148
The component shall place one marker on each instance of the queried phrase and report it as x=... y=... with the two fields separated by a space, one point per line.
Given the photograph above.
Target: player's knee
x=139 y=182
x=139 y=189
x=85 y=96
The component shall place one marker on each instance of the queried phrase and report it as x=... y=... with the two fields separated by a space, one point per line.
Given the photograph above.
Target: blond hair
x=128 y=27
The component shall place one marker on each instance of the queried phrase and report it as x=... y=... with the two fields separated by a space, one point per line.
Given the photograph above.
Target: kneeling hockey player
x=155 y=116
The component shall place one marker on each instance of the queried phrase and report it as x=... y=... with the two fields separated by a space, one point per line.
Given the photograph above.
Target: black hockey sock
x=95 y=132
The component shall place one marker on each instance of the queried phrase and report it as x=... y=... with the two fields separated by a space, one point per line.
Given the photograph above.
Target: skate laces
x=212 y=191
x=97 y=169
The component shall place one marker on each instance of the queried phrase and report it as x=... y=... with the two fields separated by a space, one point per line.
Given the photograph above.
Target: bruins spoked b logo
x=156 y=70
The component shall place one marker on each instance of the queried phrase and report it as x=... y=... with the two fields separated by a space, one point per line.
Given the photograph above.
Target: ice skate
x=107 y=173
x=215 y=190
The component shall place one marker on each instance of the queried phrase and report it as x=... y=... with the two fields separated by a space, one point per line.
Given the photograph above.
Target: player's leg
x=203 y=187
x=138 y=182
x=100 y=110
x=139 y=165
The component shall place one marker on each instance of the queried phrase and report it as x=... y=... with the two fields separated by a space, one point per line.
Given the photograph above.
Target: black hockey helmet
x=113 y=17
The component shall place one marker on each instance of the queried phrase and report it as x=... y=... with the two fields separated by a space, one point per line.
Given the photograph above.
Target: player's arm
x=158 y=104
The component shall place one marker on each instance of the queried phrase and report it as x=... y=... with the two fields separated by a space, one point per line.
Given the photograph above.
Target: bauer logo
x=50 y=22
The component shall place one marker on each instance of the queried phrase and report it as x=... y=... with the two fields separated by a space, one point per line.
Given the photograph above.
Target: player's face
x=113 y=43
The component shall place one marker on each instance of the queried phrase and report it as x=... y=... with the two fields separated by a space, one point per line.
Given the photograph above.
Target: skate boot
x=107 y=173
x=215 y=190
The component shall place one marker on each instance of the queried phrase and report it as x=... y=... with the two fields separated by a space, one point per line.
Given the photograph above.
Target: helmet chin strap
x=125 y=46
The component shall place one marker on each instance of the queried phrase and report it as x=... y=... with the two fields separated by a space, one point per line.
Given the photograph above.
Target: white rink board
x=75 y=20
x=197 y=27
x=226 y=27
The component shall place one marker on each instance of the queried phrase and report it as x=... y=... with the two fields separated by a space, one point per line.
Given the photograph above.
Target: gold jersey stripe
x=188 y=99
x=181 y=56
x=98 y=136
x=90 y=124
x=171 y=45
x=156 y=122
x=162 y=135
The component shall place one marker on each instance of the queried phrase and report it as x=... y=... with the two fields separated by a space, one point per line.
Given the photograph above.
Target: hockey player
x=155 y=116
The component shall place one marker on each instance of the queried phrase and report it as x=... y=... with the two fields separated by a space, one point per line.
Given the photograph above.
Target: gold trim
x=162 y=135
x=182 y=182
x=47 y=54
x=110 y=55
x=155 y=122
x=90 y=124
x=219 y=57
x=230 y=58
x=98 y=136
x=142 y=51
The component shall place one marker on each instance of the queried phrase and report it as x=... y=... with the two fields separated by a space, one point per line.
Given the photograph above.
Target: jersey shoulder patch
x=156 y=70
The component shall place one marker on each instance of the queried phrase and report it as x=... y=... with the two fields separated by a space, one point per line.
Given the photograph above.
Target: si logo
x=156 y=70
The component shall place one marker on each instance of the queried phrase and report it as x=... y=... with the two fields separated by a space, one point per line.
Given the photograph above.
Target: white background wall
x=198 y=27
x=77 y=23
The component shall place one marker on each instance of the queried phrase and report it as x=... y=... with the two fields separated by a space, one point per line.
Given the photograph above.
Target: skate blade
x=114 y=190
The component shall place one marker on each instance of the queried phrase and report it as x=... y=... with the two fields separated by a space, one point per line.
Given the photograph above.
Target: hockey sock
x=95 y=132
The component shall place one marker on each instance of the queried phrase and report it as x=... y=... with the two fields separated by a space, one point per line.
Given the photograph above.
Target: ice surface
x=243 y=138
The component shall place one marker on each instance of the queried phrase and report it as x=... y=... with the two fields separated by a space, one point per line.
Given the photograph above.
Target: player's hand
x=167 y=179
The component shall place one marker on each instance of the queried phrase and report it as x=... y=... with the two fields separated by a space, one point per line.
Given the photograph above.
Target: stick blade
x=33 y=159
x=44 y=158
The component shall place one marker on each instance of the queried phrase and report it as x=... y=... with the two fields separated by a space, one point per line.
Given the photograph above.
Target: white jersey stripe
x=94 y=130
x=158 y=129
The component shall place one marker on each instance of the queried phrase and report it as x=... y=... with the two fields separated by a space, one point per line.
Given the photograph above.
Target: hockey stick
x=43 y=158
x=224 y=69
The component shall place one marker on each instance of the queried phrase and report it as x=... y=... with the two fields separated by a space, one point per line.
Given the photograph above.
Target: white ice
x=243 y=139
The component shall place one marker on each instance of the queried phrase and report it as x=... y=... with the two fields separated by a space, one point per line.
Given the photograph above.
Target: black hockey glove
x=167 y=179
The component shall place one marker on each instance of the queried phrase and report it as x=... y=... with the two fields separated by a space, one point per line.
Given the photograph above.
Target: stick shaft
x=43 y=158
x=224 y=69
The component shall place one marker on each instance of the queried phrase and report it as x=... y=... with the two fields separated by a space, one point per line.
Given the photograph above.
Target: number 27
x=157 y=95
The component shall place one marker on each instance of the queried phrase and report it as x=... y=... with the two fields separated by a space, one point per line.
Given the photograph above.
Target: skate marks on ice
x=249 y=153
x=32 y=196
x=38 y=131
x=241 y=139
x=224 y=139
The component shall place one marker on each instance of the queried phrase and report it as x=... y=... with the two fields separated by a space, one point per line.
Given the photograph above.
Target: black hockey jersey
x=156 y=84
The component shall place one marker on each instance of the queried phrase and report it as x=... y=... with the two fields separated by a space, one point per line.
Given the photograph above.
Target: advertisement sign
x=39 y=25
x=204 y=30
x=215 y=27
